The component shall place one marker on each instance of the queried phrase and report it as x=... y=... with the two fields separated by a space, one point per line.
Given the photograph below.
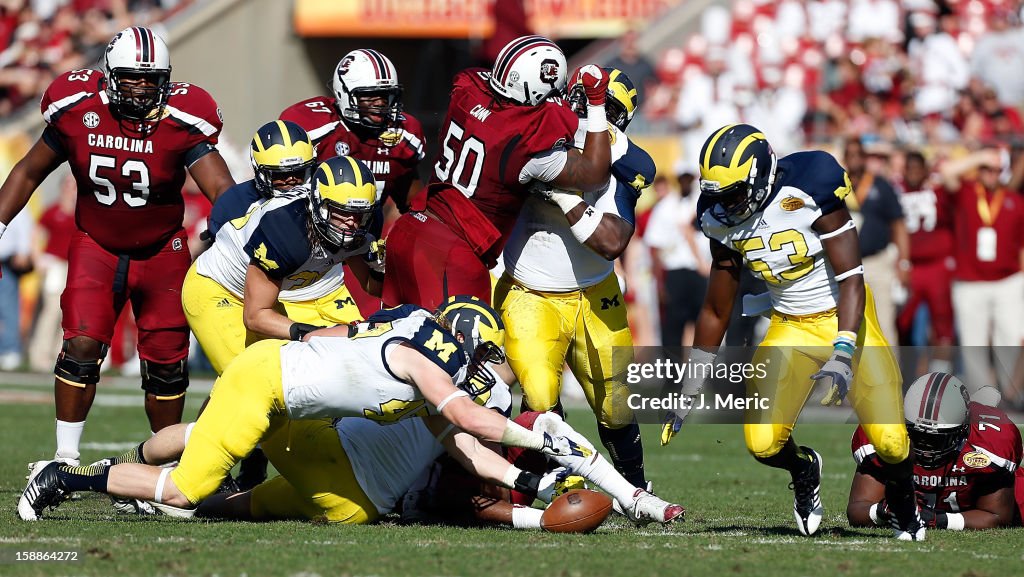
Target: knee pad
x=894 y=445
x=165 y=382
x=762 y=441
x=78 y=372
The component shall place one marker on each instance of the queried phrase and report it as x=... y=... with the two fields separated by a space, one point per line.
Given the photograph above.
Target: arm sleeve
x=544 y=167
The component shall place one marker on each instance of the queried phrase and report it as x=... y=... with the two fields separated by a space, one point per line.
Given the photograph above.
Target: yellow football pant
x=215 y=316
x=793 y=349
x=586 y=328
x=246 y=404
x=317 y=481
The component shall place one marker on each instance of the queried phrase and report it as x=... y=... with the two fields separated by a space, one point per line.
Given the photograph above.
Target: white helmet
x=936 y=411
x=367 y=73
x=528 y=70
x=137 y=52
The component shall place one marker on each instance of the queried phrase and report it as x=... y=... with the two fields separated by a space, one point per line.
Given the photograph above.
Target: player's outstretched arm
x=211 y=175
x=258 y=314
x=25 y=178
x=992 y=510
x=723 y=284
x=842 y=247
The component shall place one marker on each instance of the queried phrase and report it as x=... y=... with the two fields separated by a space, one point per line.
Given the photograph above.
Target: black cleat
x=905 y=517
x=807 y=507
x=44 y=489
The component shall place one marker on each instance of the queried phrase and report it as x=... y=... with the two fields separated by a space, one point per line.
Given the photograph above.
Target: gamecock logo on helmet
x=345 y=63
x=549 y=71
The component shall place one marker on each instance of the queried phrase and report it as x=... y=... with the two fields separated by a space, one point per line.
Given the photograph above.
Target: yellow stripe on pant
x=794 y=348
x=246 y=404
x=317 y=481
x=587 y=329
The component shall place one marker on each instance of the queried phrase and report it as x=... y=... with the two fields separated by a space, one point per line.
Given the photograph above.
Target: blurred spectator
x=928 y=211
x=884 y=244
x=938 y=67
x=56 y=227
x=988 y=291
x=778 y=110
x=706 y=102
x=634 y=64
x=998 y=58
x=682 y=257
x=874 y=19
x=15 y=260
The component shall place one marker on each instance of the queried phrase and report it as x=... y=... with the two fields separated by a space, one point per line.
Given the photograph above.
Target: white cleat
x=35 y=466
x=164 y=509
x=132 y=506
x=648 y=508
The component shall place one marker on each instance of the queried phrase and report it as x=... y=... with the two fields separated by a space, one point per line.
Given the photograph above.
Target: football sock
x=88 y=478
x=626 y=450
x=790 y=458
x=133 y=455
x=600 y=472
x=899 y=482
x=69 y=435
x=526 y=517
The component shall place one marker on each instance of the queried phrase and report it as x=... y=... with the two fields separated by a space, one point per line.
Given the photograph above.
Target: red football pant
x=930 y=283
x=427 y=262
x=153 y=285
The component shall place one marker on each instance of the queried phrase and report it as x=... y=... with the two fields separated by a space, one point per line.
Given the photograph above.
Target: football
x=578 y=511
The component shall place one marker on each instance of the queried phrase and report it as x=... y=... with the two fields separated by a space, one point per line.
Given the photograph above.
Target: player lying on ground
x=966 y=469
x=786 y=220
x=399 y=363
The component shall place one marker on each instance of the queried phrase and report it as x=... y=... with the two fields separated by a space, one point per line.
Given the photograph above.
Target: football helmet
x=936 y=411
x=280 y=149
x=137 y=53
x=342 y=186
x=367 y=74
x=528 y=70
x=479 y=328
x=737 y=171
x=622 y=99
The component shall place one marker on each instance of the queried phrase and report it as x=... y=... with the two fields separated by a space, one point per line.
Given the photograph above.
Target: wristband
x=526 y=517
x=846 y=342
x=954 y=521
x=516 y=435
x=565 y=200
x=597 y=120
x=692 y=383
x=873 y=513
x=299 y=330
x=586 y=225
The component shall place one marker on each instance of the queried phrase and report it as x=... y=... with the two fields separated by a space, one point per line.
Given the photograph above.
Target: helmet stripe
x=925 y=408
x=138 y=44
x=286 y=139
x=357 y=174
x=742 y=147
x=505 y=61
x=382 y=64
x=706 y=160
x=940 y=389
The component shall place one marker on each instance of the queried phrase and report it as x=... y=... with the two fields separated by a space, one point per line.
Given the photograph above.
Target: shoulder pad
x=995 y=435
x=439 y=345
x=279 y=244
x=69 y=90
x=194 y=109
x=395 y=313
x=818 y=175
x=234 y=203
x=635 y=168
x=317 y=116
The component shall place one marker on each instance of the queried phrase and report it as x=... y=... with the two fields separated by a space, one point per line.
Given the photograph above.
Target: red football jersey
x=484 y=145
x=392 y=157
x=929 y=217
x=987 y=461
x=129 y=184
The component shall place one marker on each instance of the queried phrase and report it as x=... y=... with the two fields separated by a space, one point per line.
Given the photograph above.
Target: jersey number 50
x=106 y=194
x=469 y=151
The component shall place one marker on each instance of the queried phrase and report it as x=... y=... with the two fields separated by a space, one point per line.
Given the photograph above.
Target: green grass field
x=738 y=520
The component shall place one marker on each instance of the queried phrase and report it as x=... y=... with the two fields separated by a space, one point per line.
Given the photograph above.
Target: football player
x=129 y=135
x=966 y=462
x=559 y=295
x=786 y=220
x=399 y=363
x=505 y=128
x=274 y=269
x=365 y=120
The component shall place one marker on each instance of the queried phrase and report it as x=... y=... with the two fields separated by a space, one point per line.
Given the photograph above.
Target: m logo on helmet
x=549 y=71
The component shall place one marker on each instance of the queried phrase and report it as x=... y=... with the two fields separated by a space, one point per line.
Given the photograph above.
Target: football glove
x=837 y=372
x=594 y=80
x=673 y=422
x=880 y=513
x=693 y=384
x=560 y=446
x=375 y=256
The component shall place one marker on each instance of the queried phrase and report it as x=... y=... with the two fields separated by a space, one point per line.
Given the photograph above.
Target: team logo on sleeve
x=91 y=119
x=261 y=256
x=977 y=460
x=341 y=149
x=791 y=203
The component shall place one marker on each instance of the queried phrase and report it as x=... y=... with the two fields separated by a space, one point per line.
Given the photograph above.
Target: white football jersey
x=542 y=253
x=779 y=243
x=344 y=377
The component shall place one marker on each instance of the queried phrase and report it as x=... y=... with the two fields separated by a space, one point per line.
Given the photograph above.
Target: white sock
x=526 y=517
x=69 y=435
x=601 y=473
